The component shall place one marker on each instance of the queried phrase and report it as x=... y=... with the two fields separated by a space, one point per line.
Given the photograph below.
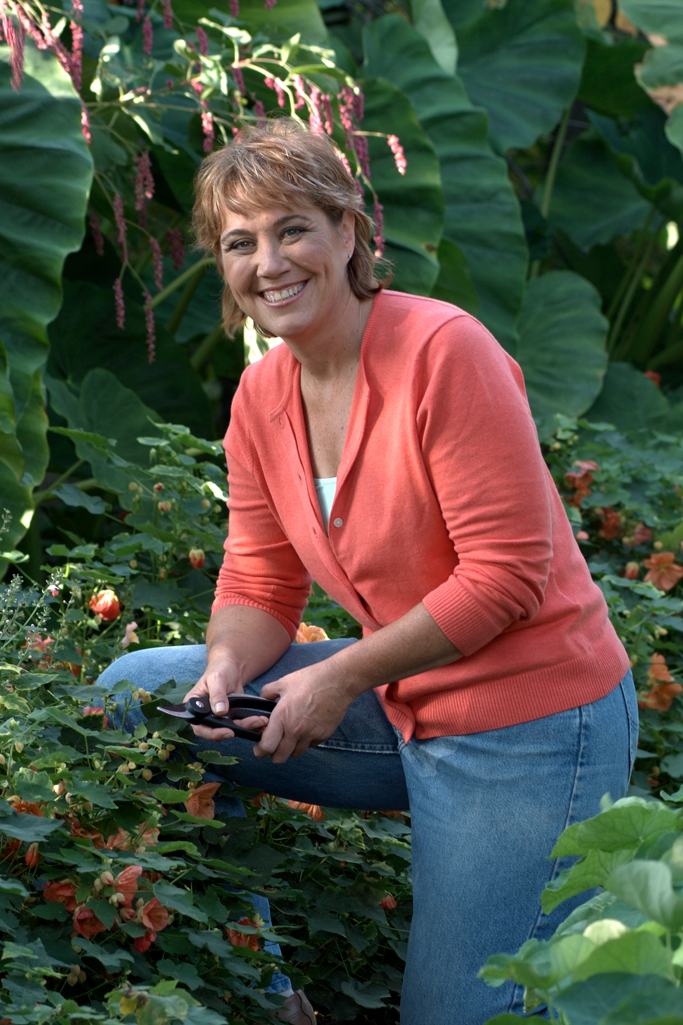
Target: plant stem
x=633 y=263
x=550 y=179
x=206 y=346
x=180 y=280
x=40 y=496
x=630 y=292
x=185 y=299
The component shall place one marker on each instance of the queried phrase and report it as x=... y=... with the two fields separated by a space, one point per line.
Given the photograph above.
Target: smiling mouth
x=274 y=296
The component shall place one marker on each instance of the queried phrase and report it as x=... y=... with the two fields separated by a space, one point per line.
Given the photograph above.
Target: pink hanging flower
x=276 y=84
x=120 y=305
x=326 y=104
x=76 y=62
x=260 y=112
x=239 y=79
x=346 y=111
x=360 y=144
x=269 y=4
x=14 y=34
x=147 y=36
x=235 y=8
x=30 y=28
x=55 y=44
x=197 y=87
x=85 y=124
x=168 y=13
x=203 y=41
x=170 y=84
x=358 y=106
x=399 y=156
x=96 y=231
x=140 y=10
x=158 y=261
x=77 y=8
x=207 y=128
x=144 y=182
x=300 y=90
x=176 y=247
x=378 y=238
x=120 y=219
x=149 y=325
x=315 y=120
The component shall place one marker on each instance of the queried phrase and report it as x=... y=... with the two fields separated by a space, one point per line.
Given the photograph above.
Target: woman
x=387 y=451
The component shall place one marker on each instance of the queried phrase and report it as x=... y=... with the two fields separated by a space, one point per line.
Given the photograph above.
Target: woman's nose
x=271 y=260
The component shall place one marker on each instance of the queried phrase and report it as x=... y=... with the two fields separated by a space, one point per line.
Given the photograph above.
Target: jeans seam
x=375 y=749
x=518 y=990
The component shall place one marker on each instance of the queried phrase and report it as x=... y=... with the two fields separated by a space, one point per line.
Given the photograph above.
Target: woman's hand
x=312 y=703
x=218 y=681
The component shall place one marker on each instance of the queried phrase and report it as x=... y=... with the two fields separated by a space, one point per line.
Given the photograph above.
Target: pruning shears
x=196 y=711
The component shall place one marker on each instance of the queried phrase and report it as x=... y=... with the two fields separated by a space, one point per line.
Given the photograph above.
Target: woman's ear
x=348 y=231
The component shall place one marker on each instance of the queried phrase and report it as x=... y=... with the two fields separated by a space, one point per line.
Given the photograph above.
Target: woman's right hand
x=218 y=681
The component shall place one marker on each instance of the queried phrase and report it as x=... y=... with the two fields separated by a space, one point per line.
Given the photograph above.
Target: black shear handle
x=241 y=706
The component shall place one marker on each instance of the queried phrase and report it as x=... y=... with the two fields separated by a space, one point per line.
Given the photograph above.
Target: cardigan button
x=338 y=522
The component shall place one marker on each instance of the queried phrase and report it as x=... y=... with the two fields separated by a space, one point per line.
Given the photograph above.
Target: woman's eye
x=293 y=232
x=240 y=244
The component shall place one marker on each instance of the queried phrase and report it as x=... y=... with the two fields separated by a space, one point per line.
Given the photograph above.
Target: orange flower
x=307 y=634
x=119 y=840
x=32 y=856
x=663 y=571
x=663 y=687
x=87 y=924
x=27 y=807
x=631 y=570
x=314 y=811
x=240 y=939
x=389 y=903
x=654 y=376
x=580 y=479
x=197 y=558
x=78 y=830
x=61 y=893
x=200 y=802
x=154 y=915
x=126 y=882
x=610 y=523
x=143 y=943
x=106 y=605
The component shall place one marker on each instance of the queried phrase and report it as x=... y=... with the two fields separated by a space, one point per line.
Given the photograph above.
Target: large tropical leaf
x=522 y=62
x=630 y=401
x=276 y=24
x=413 y=203
x=592 y=201
x=429 y=18
x=562 y=346
x=169 y=385
x=608 y=82
x=45 y=176
x=482 y=213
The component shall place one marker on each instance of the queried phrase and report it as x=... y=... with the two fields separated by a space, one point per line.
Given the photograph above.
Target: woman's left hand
x=313 y=701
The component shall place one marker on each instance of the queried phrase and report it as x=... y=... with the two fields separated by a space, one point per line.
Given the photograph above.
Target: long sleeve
x=260 y=567
x=483 y=458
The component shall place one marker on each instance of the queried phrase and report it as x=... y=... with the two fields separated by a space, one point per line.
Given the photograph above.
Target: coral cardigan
x=442 y=497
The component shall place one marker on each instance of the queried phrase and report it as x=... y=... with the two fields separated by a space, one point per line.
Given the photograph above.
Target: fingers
x=210 y=734
x=272 y=691
x=217 y=682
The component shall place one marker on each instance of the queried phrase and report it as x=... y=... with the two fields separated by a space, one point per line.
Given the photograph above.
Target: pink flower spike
x=235 y=8
x=76 y=56
x=120 y=305
x=399 y=156
x=269 y=4
x=345 y=162
x=315 y=119
x=207 y=128
x=85 y=124
x=96 y=231
x=360 y=144
x=170 y=84
x=77 y=8
x=203 y=41
x=300 y=90
x=15 y=40
x=158 y=261
x=119 y=217
x=176 y=247
x=239 y=79
x=149 y=324
x=168 y=13
x=147 y=36
x=358 y=106
x=378 y=238
x=140 y=10
x=144 y=182
x=260 y=112
x=326 y=104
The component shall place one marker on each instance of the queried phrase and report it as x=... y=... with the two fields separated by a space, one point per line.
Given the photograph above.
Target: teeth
x=286 y=293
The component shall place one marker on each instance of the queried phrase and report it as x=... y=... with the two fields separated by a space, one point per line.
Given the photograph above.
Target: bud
x=98 y=884
x=143 y=746
x=107 y=878
x=206 y=504
x=158 y=486
x=170 y=747
x=132 y=765
x=658 y=545
x=32 y=856
x=631 y=570
x=132 y=486
x=163 y=756
x=147 y=774
x=133 y=563
x=164 y=507
x=18 y=746
x=197 y=558
x=123 y=769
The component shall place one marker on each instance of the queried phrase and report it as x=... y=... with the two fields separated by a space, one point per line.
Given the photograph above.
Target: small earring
x=349 y=256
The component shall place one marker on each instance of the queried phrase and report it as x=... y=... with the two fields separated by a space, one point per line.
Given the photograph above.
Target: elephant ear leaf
x=41 y=144
x=562 y=346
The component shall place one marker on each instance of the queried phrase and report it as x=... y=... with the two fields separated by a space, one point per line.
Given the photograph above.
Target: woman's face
x=286 y=268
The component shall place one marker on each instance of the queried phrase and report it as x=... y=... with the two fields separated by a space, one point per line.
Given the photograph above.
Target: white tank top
x=325 y=489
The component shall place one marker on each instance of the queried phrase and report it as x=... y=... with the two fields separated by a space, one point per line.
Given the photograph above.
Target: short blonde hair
x=280 y=162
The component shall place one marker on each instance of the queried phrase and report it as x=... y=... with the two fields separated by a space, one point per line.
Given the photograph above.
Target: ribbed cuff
x=461 y=617
x=238 y=599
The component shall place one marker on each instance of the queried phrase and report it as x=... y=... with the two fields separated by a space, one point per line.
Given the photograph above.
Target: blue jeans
x=486 y=809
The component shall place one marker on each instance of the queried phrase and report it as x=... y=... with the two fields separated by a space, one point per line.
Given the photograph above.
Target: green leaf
x=413 y=202
x=655 y=17
x=648 y=887
x=627 y=824
x=185 y=973
x=180 y=900
x=522 y=62
x=29 y=828
x=639 y=953
x=562 y=346
x=33 y=786
x=365 y=994
x=104 y=911
x=167 y=795
x=630 y=401
x=592 y=201
x=608 y=82
x=594 y=1000
x=93 y=792
x=109 y=959
x=454 y=284
x=482 y=213
x=324 y=921
x=429 y=18
x=77 y=499
x=592 y=870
